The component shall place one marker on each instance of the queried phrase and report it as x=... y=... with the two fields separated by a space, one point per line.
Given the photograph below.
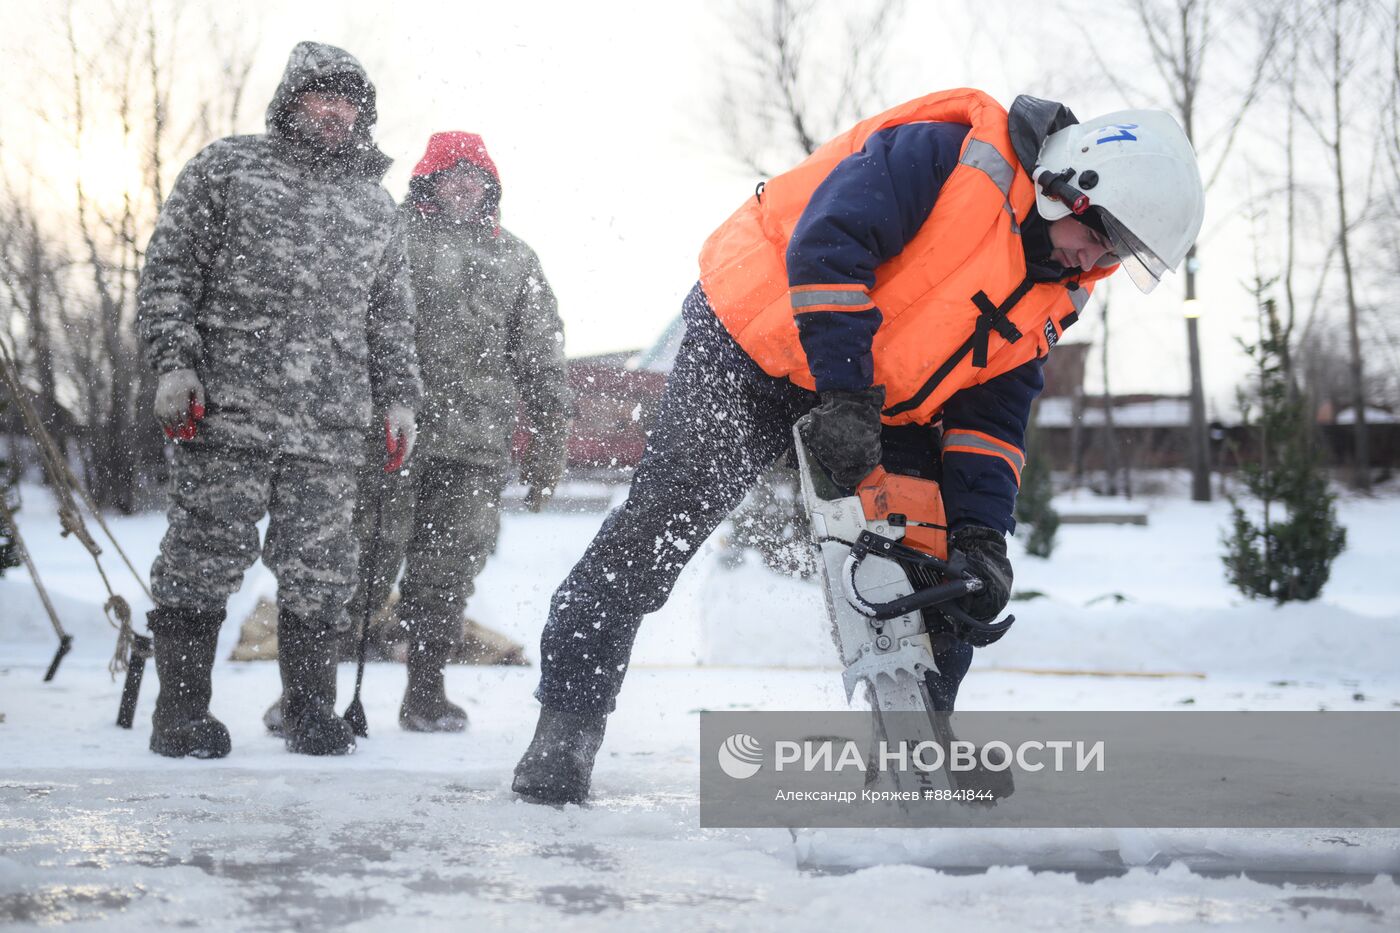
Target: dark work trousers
x=722 y=423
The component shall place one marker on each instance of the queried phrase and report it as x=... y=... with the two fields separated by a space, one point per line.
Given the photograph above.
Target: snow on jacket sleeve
x=537 y=354
x=984 y=437
x=178 y=259
x=393 y=357
x=861 y=216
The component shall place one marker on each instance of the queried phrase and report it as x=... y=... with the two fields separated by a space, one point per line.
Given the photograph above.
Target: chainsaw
x=891 y=585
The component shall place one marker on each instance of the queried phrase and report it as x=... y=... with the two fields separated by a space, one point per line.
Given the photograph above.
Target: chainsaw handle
x=992 y=630
x=923 y=599
x=942 y=596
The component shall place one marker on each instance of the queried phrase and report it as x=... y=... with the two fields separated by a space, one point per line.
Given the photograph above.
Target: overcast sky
x=600 y=116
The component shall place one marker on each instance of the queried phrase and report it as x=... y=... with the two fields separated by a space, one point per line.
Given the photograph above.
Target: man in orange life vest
x=904 y=284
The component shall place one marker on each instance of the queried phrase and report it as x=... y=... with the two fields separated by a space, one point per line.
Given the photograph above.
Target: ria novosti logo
x=741 y=756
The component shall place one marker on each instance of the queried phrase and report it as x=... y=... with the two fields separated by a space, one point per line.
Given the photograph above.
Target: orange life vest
x=957 y=306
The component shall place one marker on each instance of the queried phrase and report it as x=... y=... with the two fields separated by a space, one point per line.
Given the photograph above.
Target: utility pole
x=1200 y=442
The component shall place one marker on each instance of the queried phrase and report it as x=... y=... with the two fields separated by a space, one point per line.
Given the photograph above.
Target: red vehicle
x=615 y=397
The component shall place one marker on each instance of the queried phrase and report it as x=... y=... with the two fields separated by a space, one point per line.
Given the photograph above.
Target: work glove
x=985 y=550
x=400 y=431
x=843 y=433
x=542 y=466
x=179 y=404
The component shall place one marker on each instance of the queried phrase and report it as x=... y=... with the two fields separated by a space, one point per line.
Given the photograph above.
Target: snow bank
x=1112 y=598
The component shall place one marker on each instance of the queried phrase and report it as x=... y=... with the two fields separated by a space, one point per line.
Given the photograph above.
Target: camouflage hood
x=313 y=63
x=277 y=272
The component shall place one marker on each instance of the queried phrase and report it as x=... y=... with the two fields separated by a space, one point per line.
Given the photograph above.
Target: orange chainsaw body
x=920 y=501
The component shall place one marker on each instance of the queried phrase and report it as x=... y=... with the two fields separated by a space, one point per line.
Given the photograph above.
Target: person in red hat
x=490 y=345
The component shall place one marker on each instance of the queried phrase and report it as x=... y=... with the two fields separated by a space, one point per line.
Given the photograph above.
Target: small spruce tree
x=1282 y=541
x=1033 y=506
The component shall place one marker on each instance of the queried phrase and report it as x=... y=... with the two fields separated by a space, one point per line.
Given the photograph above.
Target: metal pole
x=1199 y=441
x=355 y=712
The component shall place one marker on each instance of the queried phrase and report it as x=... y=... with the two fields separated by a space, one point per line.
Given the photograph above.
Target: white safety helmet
x=1131 y=175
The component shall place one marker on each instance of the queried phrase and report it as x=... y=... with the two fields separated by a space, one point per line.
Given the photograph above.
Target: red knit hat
x=447 y=149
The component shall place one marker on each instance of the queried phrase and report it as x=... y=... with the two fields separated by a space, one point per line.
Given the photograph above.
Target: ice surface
x=421 y=831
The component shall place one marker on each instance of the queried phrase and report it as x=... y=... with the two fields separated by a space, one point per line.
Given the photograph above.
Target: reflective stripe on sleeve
x=975 y=442
x=830 y=298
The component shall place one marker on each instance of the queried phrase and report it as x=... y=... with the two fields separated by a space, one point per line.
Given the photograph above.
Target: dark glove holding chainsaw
x=843 y=433
x=985 y=550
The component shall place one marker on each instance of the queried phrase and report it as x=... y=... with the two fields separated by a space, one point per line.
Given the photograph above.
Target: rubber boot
x=307 y=658
x=184 y=644
x=425 y=705
x=558 y=766
x=347 y=649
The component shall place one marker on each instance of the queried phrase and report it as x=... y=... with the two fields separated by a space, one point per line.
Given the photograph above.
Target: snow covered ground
x=422 y=831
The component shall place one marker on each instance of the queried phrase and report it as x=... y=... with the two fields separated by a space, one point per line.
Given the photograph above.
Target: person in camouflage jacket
x=275 y=308
x=491 y=343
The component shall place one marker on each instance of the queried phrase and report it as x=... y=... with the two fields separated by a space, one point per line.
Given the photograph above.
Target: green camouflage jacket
x=277 y=272
x=489 y=339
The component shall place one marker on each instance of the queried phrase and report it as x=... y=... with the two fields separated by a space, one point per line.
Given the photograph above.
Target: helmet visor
x=1144 y=266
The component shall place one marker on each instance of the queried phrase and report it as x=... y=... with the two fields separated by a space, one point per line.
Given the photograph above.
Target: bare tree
x=1114 y=464
x=219 y=109
x=154 y=80
x=1389 y=80
x=1338 y=73
x=1288 y=79
x=1181 y=38
x=1339 y=31
x=108 y=234
x=1211 y=103
x=802 y=76
x=1390 y=198
x=31 y=263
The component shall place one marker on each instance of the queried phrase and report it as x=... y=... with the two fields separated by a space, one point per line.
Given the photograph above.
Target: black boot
x=952 y=658
x=558 y=765
x=184 y=647
x=425 y=705
x=346 y=650
x=306 y=656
